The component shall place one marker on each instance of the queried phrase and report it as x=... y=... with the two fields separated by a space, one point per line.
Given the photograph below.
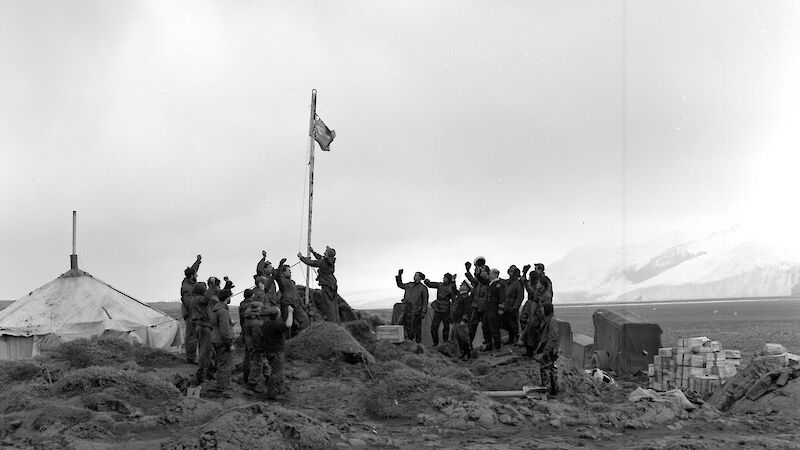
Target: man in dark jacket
x=202 y=300
x=253 y=363
x=274 y=338
x=547 y=351
x=445 y=293
x=462 y=307
x=480 y=294
x=415 y=300
x=222 y=339
x=187 y=287
x=545 y=280
x=514 y=294
x=326 y=266
x=494 y=310
x=265 y=274
x=538 y=285
x=289 y=297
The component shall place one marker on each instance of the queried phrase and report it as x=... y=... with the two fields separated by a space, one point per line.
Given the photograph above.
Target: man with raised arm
x=415 y=299
x=187 y=287
x=480 y=295
x=326 y=266
x=514 y=294
x=445 y=293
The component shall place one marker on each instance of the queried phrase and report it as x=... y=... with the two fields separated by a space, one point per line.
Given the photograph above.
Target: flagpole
x=311 y=147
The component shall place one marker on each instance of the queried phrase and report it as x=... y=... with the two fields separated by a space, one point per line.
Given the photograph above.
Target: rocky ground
x=348 y=390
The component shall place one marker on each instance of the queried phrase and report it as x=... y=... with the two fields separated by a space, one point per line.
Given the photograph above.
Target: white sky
x=463 y=128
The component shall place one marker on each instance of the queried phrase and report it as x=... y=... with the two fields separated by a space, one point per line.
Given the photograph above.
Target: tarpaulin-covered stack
x=698 y=364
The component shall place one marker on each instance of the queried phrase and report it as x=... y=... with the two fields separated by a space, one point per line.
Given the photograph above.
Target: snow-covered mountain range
x=674 y=266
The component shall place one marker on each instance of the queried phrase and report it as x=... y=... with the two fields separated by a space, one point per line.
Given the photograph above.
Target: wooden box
x=391 y=333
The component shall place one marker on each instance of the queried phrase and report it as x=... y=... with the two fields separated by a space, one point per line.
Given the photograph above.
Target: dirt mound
x=324 y=340
x=130 y=385
x=260 y=425
x=426 y=360
x=402 y=392
x=106 y=351
x=362 y=330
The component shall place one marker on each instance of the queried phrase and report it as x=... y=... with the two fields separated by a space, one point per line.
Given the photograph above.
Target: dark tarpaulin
x=631 y=341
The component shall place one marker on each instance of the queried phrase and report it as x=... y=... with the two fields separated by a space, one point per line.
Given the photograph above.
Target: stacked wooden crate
x=697 y=364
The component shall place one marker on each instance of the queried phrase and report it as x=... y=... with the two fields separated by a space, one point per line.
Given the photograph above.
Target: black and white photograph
x=247 y=224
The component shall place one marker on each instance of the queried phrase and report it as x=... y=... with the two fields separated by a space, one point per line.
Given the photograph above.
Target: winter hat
x=199 y=288
x=224 y=294
x=331 y=251
x=479 y=261
x=248 y=293
x=188 y=272
x=465 y=286
x=448 y=276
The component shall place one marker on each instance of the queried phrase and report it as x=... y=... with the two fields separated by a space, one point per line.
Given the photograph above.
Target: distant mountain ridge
x=675 y=266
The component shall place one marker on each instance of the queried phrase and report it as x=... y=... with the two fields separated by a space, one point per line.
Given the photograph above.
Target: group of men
x=494 y=303
x=270 y=312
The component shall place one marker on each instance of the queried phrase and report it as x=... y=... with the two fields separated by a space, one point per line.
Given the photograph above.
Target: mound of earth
x=400 y=391
x=325 y=340
x=260 y=425
x=107 y=351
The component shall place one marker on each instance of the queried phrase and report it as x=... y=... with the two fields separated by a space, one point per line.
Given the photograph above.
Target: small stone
x=506 y=419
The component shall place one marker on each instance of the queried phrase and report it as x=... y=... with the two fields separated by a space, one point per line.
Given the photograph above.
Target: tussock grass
x=361 y=330
x=324 y=340
x=402 y=392
x=132 y=384
x=107 y=351
x=15 y=371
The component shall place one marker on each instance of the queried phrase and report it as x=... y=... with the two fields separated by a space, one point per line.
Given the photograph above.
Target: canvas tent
x=78 y=305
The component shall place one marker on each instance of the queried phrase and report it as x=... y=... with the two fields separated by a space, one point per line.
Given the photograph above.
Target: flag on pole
x=322 y=134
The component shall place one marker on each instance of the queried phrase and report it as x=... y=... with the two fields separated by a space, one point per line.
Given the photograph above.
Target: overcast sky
x=517 y=130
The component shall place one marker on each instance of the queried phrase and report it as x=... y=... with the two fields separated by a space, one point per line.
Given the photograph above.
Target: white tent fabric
x=77 y=305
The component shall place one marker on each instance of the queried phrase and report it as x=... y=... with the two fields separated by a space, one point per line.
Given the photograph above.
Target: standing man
x=265 y=274
x=252 y=366
x=222 y=339
x=201 y=320
x=187 y=288
x=274 y=335
x=514 y=294
x=547 y=351
x=289 y=298
x=415 y=300
x=480 y=295
x=326 y=266
x=445 y=293
x=462 y=307
x=494 y=310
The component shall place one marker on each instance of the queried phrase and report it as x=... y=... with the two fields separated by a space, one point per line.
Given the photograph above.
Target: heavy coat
x=415 y=297
x=221 y=329
x=445 y=293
